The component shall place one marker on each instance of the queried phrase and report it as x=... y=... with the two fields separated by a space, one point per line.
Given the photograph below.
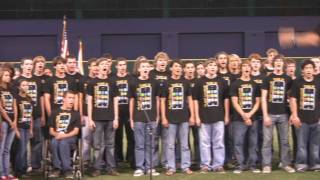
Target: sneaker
x=301 y=169
x=68 y=175
x=3 y=177
x=95 y=173
x=170 y=172
x=29 y=169
x=54 y=173
x=237 y=171
x=138 y=173
x=188 y=171
x=113 y=172
x=220 y=170
x=255 y=170
x=266 y=169
x=289 y=169
x=204 y=170
x=153 y=172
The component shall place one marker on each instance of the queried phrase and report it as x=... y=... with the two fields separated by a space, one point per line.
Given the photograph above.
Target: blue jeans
x=281 y=122
x=212 y=150
x=5 y=148
x=182 y=129
x=61 y=149
x=195 y=135
x=21 y=156
x=228 y=141
x=86 y=133
x=143 y=146
x=241 y=132
x=36 y=144
x=103 y=144
x=308 y=141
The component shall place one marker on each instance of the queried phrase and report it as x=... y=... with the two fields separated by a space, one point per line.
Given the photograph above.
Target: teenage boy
x=56 y=85
x=86 y=132
x=144 y=108
x=35 y=92
x=177 y=115
x=304 y=104
x=122 y=79
x=64 y=126
x=245 y=96
x=211 y=104
x=274 y=107
x=103 y=116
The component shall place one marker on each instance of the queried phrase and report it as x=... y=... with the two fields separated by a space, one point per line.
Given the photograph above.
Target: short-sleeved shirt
x=25 y=109
x=211 y=94
x=83 y=86
x=7 y=96
x=35 y=87
x=160 y=76
x=56 y=87
x=64 y=120
x=247 y=92
x=277 y=87
x=122 y=84
x=308 y=99
x=176 y=92
x=145 y=93
x=103 y=92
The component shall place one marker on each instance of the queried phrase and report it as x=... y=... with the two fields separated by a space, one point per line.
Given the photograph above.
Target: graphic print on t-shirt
x=227 y=79
x=176 y=96
x=7 y=101
x=32 y=91
x=59 y=87
x=211 y=94
x=123 y=90
x=144 y=93
x=25 y=111
x=62 y=122
x=307 y=97
x=101 y=95
x=245 y=96
x=277 y=90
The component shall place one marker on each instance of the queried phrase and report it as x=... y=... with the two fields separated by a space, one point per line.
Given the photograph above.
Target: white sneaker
x=154 y=172
x=138 y=173
x=289 y=169
x=266 y=169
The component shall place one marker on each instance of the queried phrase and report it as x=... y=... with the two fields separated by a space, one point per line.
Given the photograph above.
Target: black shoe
x=95 y=173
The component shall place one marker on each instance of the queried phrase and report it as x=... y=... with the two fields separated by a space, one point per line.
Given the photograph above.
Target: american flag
x=64 y=40
x=80 y=57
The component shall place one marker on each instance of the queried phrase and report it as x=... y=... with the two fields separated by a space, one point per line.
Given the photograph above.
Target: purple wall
x=180 y=37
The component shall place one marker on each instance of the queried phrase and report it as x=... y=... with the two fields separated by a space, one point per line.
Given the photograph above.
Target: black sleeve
x=234 y=89
x=159 y=88
x=226 y=88
x=265 y=83
x=289 y=82
x=294 y=91
x=131 y=89
x=77 y=123
x=115 y=89
x=90 y=89
x=51 y=120
x=257 y=90
x=47 y=86
x=81 y=84
x=196 y=91
x=189 y=89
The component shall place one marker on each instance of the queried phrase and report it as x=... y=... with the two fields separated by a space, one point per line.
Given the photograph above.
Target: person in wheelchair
x=64 y=126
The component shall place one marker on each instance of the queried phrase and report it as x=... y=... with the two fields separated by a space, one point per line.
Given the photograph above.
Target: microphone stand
x=150 y=133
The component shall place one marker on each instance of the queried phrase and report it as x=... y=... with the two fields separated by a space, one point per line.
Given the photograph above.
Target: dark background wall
x=180 y=37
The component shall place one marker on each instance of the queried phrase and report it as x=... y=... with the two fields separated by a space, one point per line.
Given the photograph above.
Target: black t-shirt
x=35 y=87
x=211 y=94
x=258 y=80
x=103 y=92
x=7 y=96
x=56 y=87
x=176 y=93
x=64 y=120
x=228 y=77
x=83 y=85
x=160 y=76
x=25 y=108
x=277 y=87
x=77 y=78
x=246 y=91
x=145 y=93
x=122 y=84
x=307 y=95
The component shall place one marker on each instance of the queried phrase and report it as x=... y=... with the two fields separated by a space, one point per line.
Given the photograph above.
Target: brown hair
x=58 y=60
